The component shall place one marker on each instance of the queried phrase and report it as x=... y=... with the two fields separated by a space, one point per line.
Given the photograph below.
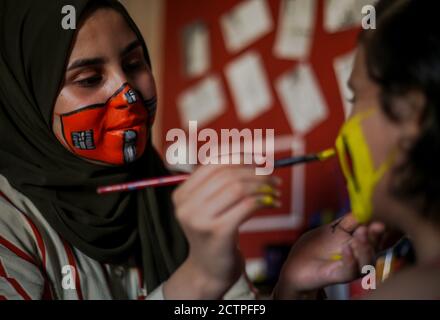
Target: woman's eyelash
x=135 y=65
x=95 y=80
x=89 y=82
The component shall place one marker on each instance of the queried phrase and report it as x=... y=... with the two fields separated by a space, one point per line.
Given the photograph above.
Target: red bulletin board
x=321 y=185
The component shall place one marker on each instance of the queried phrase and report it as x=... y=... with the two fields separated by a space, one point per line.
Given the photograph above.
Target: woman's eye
x=89 y=81
x=134 y=65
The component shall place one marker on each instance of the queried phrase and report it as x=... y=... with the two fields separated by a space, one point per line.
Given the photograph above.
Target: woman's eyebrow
x=97 y=61
x=133 y=45
x=85 y=63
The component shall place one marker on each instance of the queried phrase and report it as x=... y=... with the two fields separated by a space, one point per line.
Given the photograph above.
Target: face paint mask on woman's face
x=115 y=132
x=358 y=167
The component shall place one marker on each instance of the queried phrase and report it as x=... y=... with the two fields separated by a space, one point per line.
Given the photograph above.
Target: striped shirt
x=36 y=263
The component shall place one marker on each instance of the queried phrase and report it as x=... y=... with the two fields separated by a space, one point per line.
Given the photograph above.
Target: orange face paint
x=115 y=132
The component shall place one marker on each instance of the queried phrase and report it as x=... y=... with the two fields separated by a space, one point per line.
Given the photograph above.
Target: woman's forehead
x=102 y=32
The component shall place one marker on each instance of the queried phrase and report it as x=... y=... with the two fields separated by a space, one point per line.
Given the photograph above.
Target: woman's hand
x=328 y=255
x=210 y=207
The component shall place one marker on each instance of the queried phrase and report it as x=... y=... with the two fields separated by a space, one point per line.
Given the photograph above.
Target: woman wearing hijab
x=76 y=109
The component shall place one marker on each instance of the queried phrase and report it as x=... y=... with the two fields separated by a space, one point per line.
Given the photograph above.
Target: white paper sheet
x=246 y=23
x=343 y=65
x=197 y=55
x=301 y=99
x=202 y=103
x=295 y=29
x=247 y=80
x=344 y=14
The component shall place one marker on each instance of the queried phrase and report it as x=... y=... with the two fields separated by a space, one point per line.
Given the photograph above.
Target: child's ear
x=408 y=110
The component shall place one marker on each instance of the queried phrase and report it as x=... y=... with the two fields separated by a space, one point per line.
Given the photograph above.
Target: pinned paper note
x=246 y=23
x=343 y=66
x=249 y=86
x=344 y=14
x=202 y=103
x=197 y=56
x=295 y=30
x=301 y=99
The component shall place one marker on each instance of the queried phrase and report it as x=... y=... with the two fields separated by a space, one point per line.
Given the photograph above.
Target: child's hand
x=328 y=255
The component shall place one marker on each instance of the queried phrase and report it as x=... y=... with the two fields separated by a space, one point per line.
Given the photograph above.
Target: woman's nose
x=124 y=97
x=117 y=79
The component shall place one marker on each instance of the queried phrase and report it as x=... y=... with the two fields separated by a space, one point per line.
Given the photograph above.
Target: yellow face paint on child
x=357 y=165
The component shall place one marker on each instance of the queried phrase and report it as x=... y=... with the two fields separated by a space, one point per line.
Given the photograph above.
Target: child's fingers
x=348 y=223
x=376 y=231
x=362 y=250
x=349 y=259
x=342 y=270
x=361 y=234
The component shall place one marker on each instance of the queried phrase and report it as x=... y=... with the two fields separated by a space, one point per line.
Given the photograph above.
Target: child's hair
x=402 y=55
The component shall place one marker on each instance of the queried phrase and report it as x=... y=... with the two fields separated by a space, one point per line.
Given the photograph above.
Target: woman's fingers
x=237 y=194
x=244 y=209
x=200 y=175
x=239 y=180
x=207 y=180
x=232 y=191
x=224 y=188
x=264 y=194
x=203 y=172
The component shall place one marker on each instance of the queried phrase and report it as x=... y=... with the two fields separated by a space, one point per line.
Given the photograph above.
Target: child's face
x=105 y=54
x=383 y=135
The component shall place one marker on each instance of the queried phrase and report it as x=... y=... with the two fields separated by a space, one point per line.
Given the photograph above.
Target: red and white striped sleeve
x=21 y=262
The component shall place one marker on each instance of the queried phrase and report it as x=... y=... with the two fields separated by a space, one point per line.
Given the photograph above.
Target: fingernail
x=266 y=200
x=265 y=188
x=269 y=189
x=336 y=257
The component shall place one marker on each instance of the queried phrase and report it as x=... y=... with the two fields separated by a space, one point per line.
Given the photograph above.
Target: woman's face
x=384 y=136
x=105 y=54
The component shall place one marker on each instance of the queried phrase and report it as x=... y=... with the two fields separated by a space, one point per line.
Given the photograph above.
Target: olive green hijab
x=33 y=53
